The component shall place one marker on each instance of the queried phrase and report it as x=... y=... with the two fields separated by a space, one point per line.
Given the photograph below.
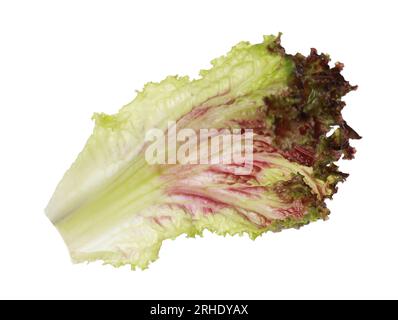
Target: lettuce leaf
x=112 y=205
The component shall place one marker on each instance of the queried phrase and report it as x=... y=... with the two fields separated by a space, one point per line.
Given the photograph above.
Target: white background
x=60 y=61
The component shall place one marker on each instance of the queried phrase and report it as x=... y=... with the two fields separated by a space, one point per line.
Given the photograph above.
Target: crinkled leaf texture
x=113 y=206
